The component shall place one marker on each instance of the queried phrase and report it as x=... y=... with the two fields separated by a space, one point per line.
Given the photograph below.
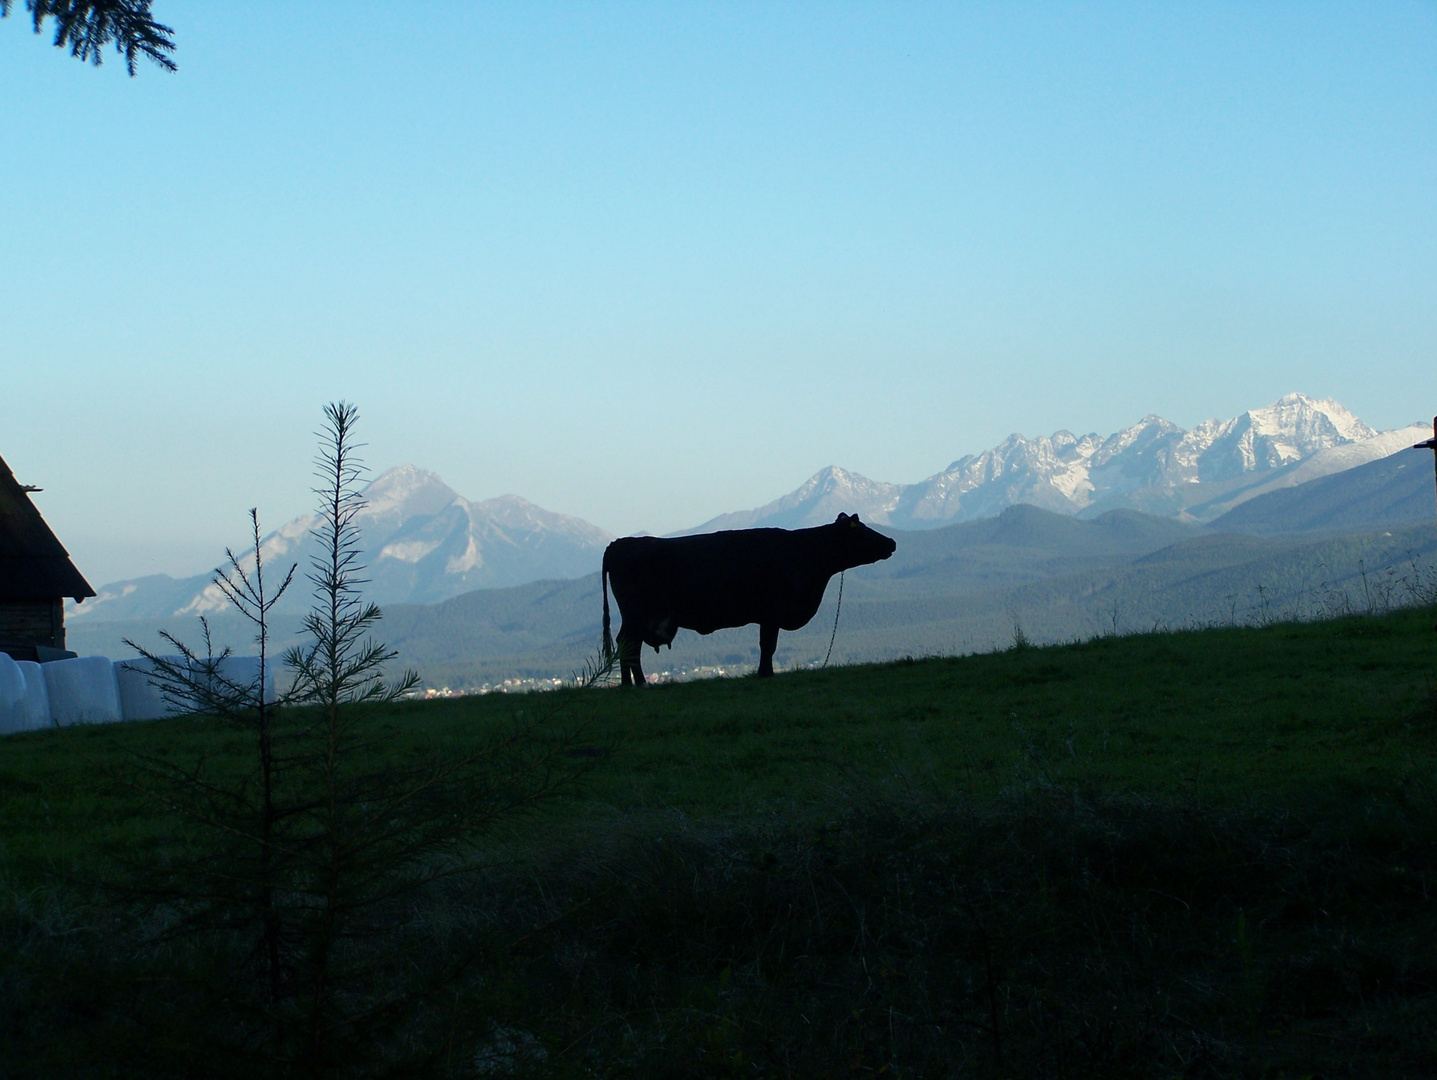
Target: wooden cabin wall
x=32 y=622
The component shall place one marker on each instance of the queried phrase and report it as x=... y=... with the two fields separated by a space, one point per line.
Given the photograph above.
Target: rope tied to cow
x=833 y=636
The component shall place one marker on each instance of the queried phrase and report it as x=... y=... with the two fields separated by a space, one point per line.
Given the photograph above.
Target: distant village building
x=36 y=575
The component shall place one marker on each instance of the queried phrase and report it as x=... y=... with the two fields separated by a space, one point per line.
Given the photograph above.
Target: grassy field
x=1210 y=853
x=1224 y=716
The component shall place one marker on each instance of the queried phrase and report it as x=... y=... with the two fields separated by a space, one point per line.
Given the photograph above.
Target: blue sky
x=649 y=263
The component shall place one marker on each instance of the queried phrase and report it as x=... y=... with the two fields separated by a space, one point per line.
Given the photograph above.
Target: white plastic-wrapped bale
x=244 y=671
x=35 y=709
x=12 y=695
x=83 y=691
x=140 y=698
x=240 y=674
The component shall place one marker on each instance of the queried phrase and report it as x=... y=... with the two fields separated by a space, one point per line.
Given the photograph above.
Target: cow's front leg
x=767 y=643
x=631 y=671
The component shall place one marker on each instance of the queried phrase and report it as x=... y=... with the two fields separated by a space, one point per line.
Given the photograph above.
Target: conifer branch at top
x=85 y=27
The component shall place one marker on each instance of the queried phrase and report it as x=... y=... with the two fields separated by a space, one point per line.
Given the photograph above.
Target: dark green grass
x=1044 y=936
x=1276 y=716
x=1226 y=715
x=1194 y=854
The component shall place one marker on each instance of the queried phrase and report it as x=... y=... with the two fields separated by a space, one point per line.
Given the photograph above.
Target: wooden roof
x=33 y=563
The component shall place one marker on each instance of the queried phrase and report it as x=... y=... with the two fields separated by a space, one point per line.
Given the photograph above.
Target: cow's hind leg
x=767 y=643
x=631 y=671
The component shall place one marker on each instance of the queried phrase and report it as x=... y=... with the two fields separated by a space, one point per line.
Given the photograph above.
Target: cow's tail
x=608 y=643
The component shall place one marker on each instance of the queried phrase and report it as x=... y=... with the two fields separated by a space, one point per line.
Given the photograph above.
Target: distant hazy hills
x=425 y=543
x=1386 y=493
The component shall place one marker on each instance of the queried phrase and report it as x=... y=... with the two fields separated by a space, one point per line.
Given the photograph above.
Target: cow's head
x=859 y=545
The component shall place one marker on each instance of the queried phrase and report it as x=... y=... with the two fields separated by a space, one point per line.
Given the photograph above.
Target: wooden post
x=1430 y=444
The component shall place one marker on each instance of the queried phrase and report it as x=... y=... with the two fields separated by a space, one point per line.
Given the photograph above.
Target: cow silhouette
x=773 y=577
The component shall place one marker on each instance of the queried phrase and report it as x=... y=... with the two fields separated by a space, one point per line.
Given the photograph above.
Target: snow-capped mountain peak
x=1290 y=429
x=817 y=501
x=421 y=543
x=1153 y=465
x=1320 y=419
x=406 y=490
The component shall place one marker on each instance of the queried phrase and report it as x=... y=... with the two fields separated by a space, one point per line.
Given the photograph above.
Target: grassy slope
x=1210 y=853
x=1223 y=715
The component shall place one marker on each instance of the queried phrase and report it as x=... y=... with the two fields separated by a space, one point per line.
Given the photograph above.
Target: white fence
x=92 y=690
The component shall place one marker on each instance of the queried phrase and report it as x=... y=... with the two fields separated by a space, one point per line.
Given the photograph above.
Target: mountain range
x=1153 y=466
x=968 y=586
x=425 y=543
x=1352 y=539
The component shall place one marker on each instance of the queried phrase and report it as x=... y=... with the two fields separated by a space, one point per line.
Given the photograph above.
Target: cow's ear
x=841 y=518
